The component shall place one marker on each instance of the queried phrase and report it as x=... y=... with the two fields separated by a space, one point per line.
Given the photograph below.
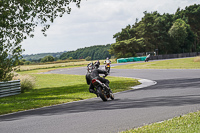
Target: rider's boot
x=93 y=91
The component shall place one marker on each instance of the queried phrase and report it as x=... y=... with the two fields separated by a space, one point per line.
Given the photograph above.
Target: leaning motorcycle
x=102 y=90
x=107 y=67
x=147 y=59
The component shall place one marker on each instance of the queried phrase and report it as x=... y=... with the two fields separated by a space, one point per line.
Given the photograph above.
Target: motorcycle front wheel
x=101 y=94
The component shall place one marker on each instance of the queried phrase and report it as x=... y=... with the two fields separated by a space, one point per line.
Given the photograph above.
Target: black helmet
x=96 y=65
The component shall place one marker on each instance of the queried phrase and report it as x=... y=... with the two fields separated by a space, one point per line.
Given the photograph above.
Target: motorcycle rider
x=147 y=58
x=94 y=73
x=97 y=64
x=107 y=61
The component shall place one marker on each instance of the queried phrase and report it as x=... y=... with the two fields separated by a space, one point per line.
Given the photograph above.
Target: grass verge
x=189 y=123
x=183 y=63
x=52 y=89
x=58 y=65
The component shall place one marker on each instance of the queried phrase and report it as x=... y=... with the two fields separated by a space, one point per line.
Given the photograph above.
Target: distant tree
x=88 y=58
x=70 y=58
x=127 y=48
x=48 y=59
x=179 y=33
x=167 y=33
x=95 y=52
x=27 y=63
x=22 y=62
x=191 y=15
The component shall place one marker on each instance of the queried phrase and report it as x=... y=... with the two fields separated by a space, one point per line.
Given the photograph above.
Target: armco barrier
x=9 y=88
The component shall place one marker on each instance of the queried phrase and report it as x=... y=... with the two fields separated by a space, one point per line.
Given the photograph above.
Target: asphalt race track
x=176 y=92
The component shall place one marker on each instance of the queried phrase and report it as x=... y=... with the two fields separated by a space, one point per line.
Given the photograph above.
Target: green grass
x=52 y=89
x=189 y=123
x=58 y=65
x=183 y=63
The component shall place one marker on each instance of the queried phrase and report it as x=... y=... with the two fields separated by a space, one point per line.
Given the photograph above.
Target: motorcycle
x=107 y=67
x=102 y=90
x=147 y=58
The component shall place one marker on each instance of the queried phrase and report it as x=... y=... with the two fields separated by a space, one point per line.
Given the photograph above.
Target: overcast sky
x=95 y=23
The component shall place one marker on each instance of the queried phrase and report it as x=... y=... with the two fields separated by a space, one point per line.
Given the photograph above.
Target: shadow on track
x=96 y=104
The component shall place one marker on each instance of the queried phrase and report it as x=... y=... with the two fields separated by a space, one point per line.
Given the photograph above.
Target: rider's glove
x=106 y=73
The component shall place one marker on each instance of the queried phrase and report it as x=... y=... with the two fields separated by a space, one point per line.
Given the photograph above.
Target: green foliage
x=22 y=62
x=48 y=58
x=88 y=58
x=70 y=58
x=179 y=33
x=26 y=85
x=126 y=48
x=169 y=33
x=18 y=21
x=27 y=63
x=191 y=15
x=27 y=82
x=95 y=52
x=179 y=30
x=7 y=62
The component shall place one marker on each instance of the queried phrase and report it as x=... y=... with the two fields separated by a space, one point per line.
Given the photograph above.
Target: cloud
x=95 y=23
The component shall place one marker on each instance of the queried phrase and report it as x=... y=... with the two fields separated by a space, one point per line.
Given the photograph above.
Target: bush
x=48 y=58
x=27 y=63
x=27 y=82
x=88 y=58
x=70 y=58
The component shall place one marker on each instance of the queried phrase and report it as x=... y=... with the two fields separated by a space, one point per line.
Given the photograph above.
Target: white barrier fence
x=9 y=88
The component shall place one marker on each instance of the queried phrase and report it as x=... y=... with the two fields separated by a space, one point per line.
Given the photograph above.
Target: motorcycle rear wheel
x=101 y=94
x=108 y=69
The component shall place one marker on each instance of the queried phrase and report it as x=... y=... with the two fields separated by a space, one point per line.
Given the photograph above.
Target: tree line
x=89 y=53
x=164 y=34
x=97 y=52
x=37 y=57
